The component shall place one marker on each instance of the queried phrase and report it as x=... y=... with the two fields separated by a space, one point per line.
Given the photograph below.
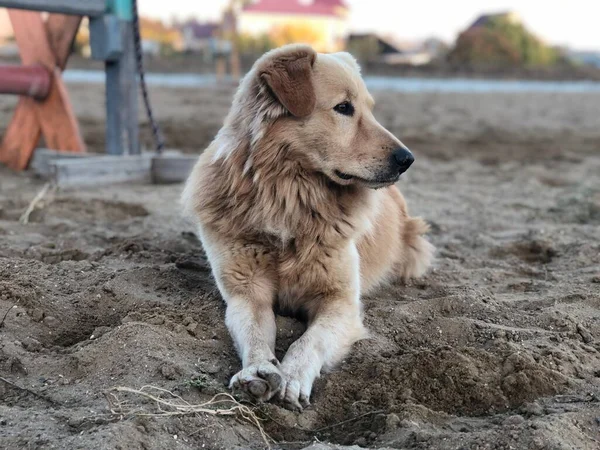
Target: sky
x=573 y=23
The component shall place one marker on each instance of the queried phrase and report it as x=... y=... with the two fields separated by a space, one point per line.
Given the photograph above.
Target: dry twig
x=220 y=405
x=24 y=219
x=4 y=318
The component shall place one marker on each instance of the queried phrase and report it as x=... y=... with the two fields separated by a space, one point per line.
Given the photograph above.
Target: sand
x=497 y=348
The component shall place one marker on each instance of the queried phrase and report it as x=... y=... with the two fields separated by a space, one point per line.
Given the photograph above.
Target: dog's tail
x=417 y=252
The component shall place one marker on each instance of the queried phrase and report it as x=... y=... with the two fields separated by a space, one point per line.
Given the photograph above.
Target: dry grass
x=161 y=402
x=48 y=187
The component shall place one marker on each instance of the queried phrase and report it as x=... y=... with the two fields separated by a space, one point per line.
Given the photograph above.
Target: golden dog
x=297 y=212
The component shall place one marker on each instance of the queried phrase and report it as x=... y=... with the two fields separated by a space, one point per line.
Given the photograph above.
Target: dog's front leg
x=251 y=323
x=335 y=324
x=246 y=278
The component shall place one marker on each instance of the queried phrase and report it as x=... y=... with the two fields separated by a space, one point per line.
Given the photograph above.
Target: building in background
x=589 y=58
x=204 y=39
x=320 y=23
x=199 y=37
x=374 y=47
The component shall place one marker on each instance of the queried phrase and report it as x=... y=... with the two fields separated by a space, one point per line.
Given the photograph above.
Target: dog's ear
x=288 y=73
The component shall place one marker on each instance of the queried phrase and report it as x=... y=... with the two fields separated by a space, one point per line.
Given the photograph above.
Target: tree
x=501 y=41
x=532 y=50
x=483 y=46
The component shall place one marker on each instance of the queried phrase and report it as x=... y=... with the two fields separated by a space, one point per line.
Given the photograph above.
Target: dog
x=297 y=211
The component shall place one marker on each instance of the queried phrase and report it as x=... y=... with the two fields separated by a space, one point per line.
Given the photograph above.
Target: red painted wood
x=32 y=81
x=21 y=137
x=62 y=30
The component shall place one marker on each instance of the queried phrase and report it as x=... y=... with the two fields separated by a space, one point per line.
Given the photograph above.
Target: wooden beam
x=84 y=169
x=55 y=115
x=62 y=30
x=57 y=119
x=96 y=170
x=73 y=7
x=22 y=135
x=43 y=159
x=172 y=167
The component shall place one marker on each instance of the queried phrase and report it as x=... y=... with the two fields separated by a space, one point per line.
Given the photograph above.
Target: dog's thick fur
x=285 y=229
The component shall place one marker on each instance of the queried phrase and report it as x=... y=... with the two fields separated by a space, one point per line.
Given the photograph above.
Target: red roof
x=311 y=7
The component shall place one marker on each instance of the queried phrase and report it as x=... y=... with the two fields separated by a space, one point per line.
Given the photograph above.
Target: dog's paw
x=262 y=381
x=295 y=393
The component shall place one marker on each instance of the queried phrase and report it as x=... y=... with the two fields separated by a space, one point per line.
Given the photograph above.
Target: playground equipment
x=44 y=47
x=44 y=107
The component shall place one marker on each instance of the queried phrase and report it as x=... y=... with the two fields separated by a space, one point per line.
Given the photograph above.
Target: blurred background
x=497 y=348
x=529 y=39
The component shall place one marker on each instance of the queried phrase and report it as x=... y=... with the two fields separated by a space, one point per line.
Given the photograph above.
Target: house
x=437 y=48
x=385 y=49
x=204 y=39
x=321 y=23
x=589 y=58
x=199 y=37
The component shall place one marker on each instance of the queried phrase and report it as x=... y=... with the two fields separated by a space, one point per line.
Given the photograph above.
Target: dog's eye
x=344 y=108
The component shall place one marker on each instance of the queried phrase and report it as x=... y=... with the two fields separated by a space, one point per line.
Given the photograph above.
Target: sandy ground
x=497 y=348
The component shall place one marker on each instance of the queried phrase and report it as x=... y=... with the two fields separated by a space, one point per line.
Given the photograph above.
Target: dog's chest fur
x=302 y=220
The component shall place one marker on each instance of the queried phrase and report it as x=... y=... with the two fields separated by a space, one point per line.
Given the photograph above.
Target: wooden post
x=114 y=129
x=129 y=86
x=122 y=127
x=73 y=7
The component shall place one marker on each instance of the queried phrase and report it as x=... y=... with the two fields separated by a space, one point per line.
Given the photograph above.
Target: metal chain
x=156 y=132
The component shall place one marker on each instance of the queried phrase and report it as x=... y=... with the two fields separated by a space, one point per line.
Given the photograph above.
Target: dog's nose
x=403 y=158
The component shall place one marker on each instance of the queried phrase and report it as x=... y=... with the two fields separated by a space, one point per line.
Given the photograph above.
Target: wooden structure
x=44 y=45
x=79 y=169
x=44 y=108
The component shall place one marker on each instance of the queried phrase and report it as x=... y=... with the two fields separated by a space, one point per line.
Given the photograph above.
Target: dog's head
x=319 y=104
